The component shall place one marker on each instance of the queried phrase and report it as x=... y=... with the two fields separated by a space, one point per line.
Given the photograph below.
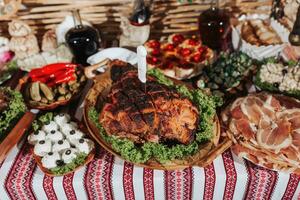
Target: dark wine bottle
x=214 y=28
x=141 y=13
x=294 y=37
x=82 y=40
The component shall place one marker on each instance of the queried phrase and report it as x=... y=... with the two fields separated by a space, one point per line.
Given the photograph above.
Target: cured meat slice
x=266 y=130
x=244 y=128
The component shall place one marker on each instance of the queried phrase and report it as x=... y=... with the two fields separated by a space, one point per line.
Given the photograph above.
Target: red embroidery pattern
x=170 y=184
x=128 y=181
x=19 y=179
x=98 y=176
x=68 y=186
x=187 y=183
x=291 y=187
x=148 y=184
x=210 y=180
x=262 y=182
x=231 y=176
x=48 y=187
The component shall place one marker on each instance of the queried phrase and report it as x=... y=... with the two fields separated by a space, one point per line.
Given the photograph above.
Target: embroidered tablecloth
x=108 y=177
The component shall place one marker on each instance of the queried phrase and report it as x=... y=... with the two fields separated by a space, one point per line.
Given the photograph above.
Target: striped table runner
x=108 y=177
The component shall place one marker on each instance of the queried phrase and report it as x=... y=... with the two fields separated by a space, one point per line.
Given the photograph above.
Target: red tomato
x=170 y=47
x=185 y=52
x=155 y=52
x=154 y=44
x=193 y=42
x=178 y=38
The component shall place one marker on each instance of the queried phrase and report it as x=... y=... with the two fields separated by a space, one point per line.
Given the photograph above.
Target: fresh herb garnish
x=14 y=111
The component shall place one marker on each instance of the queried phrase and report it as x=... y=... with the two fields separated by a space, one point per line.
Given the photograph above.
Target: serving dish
x=59 y=144
x=14 y=120
x=264 y=128
x=262 y=51
x=47 y=91
x=204 y=155
x=279 y=77
x=229 y=76
x=179 y=57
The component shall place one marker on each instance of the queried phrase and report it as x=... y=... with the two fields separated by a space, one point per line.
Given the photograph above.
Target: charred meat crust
x=149 y=112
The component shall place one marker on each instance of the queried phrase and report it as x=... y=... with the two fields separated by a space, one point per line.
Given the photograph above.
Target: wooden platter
x=15 y=134
x=207 y=151
x=38 y=160
x=88 y=159
x=24 y=89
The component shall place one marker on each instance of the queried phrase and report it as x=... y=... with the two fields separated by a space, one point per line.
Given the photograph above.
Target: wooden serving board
x=38 y=160
x=207 y=151
x=23 y=86
x=88 y=159
x=15 y=134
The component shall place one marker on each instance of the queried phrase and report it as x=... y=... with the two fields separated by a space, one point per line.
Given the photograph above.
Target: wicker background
x=168 y=16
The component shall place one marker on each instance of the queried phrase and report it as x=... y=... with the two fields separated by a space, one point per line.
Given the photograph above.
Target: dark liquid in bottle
x=83 y=42
x=213 y=28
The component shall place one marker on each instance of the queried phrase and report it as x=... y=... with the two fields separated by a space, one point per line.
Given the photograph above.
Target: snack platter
x=180 y=103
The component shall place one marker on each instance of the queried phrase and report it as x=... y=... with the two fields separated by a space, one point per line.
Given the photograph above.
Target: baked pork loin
x=146 y=112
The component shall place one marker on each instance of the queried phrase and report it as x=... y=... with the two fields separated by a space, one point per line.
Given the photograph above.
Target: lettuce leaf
x=15 y=110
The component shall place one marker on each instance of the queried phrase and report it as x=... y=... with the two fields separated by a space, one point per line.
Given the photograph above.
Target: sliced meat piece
x=244 y=128
x=252 y=110
x=276 y=136
x=291 y=155
x=296 y=138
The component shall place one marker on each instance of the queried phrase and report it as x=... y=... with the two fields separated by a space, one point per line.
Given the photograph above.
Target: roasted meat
x=146 y=112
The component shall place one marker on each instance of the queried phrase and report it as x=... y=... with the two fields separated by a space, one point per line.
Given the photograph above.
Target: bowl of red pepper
x=53 y=85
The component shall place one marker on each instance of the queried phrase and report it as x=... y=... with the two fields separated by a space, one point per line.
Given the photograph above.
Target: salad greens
x=14 y=111
x=78 y=161
x=161 y=152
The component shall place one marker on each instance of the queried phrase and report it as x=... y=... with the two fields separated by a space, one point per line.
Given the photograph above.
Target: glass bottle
x=141 y=13
x=214 y=28
x=82 y=40
x=294 y=36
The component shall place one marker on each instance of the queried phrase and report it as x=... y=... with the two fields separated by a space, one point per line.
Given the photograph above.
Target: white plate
x=114 y=53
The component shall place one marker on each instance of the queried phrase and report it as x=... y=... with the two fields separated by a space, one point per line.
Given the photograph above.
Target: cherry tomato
x=185 y=52
x=193 y=42
x=155 y=52
x=170 y=47
x=178 y=38
x=154 y=44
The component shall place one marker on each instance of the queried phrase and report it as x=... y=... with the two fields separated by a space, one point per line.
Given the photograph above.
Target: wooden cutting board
x=15 y=134
x=207 y=151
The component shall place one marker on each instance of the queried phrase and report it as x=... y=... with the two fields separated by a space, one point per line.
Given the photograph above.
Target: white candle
x=142 y=63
